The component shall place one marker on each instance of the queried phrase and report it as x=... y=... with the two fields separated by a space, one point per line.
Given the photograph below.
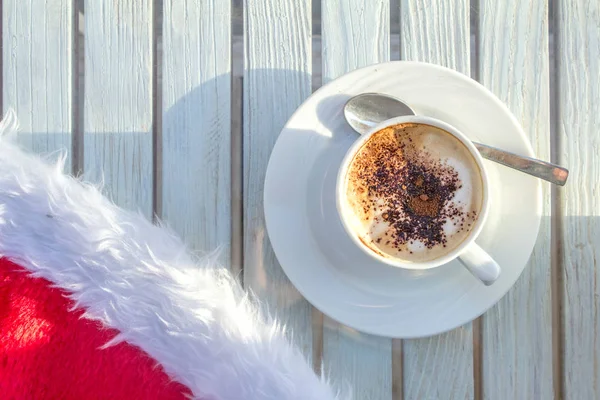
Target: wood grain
x=439 y=367
x=277 y=79
x=517 y=332
x=363 y=39
x=360 y=360
x=578 y=31
x=118 y=100
x=435 y=31
x=196 y=145
x=37 y=80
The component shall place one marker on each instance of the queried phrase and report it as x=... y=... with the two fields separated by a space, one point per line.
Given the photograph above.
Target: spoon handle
x=541 y=169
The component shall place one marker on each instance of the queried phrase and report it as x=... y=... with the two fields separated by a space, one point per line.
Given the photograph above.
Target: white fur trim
x=190 y=316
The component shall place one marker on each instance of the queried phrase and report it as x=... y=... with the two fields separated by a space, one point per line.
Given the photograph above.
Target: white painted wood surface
x=517 y=332
x=196 y=134
x=362 y=39
x=436 y=31
x=37 y=82
x=276 y=81
x=440 y=367
x=118 y=100
x=360 y=360
x=578 y=26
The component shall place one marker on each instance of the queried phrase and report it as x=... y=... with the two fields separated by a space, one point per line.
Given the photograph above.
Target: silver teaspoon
x=369 y=109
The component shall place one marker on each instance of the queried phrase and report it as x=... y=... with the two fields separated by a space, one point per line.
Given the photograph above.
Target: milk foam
x=427 y=143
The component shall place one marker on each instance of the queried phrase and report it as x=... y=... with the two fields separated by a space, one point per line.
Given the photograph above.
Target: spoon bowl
x=366 y=110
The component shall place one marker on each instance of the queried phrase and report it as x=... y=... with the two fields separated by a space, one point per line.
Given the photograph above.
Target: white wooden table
x=178 y=110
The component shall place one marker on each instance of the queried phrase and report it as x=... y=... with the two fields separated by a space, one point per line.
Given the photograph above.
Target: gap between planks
x=237 y=143
x=556 y=227
x=477 y=358
x=397 y=370
x=157 y=110
x=317 y=317
x=77 y=88
x=237 y=173
x=477 y=327
x=397 y=344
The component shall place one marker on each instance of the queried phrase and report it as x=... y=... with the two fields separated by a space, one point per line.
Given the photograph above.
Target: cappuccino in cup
x=413 y=192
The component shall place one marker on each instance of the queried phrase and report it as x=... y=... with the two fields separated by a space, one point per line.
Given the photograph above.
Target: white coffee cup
x=473 y=257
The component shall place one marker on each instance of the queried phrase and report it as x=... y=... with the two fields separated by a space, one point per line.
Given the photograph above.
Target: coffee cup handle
x=480 y=264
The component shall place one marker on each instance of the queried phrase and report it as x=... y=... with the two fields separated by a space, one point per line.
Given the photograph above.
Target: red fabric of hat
x=50 y=352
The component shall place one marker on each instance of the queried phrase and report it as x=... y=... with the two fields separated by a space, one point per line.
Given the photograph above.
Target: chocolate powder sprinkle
x=416 y=192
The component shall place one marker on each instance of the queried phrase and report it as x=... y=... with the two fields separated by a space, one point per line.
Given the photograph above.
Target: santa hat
x=99 y=303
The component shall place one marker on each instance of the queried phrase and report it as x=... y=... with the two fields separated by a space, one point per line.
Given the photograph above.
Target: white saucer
x=321 y=260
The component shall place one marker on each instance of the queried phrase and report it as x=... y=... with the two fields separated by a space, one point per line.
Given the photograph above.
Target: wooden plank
x=363 y=360
x=517 y=332
x=277 y=79
x=363 y=39
x=435 y=31
x=578 y=31
x=196 y=128
x=118 y=100
x=37 y=81
x=439 y=367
